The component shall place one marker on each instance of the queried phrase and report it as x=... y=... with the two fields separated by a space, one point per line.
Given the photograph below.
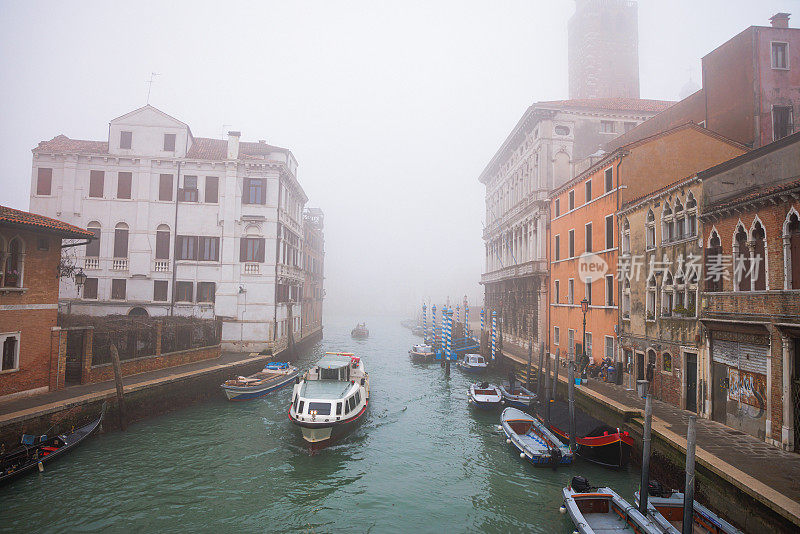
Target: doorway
x=719 y=390
x=639 y=366
x=75 y=355
x=691 y=382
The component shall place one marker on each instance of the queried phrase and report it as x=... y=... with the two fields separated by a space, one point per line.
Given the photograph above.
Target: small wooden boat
x=473 y=363
x=533 y=441
x=485 y=395
x=602 y=510
x=517 y=396
x=36 y=450
x=665 y=507
x=360 y=331
x=273 y=377
x=422 y=352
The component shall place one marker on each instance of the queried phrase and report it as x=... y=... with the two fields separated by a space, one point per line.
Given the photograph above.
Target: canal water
x=421 y=461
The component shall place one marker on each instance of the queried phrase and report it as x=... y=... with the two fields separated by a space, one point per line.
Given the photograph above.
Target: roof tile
x=18 y=218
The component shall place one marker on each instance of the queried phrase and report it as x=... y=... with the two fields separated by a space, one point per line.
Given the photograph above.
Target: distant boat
x=360 y=331
x=37 y=450
x=418 y=331
x=273 y=377
x=473 y=363
x=331 y=397
x=534 y=442
x=408 y=323
x=485 y=395
x=665 y=507
x=518 y=397
x=602 y=510
x=422 y=353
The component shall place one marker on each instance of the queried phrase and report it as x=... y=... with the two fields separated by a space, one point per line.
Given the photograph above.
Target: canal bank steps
x=746 y=480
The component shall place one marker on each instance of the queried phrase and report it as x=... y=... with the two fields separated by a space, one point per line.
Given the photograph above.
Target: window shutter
x=93 y=248
x=243 y=249
x=212 y=190
x=124 y=180
x=120 y=243
x=162 y=245
x=165 y=187
x=44 y=182
x=260 y=252
x=96 y=179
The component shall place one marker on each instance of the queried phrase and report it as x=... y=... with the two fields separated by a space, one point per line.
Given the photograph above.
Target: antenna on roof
x=150 y=84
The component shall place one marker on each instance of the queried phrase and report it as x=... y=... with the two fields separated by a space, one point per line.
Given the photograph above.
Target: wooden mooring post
x=688 y=493
x=644 y=484
x=118 y=382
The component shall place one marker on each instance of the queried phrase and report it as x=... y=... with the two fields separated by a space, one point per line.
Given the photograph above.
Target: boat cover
x=334 y=361
x=324 y=389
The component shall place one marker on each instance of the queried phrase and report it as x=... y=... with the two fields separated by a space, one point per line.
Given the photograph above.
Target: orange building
x=583 y=235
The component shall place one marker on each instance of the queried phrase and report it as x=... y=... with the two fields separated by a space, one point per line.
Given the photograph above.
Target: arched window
x=121 y=241
x=680 y=220
x=162 y=242
x=791 y=251
x=759 y=259
x=626 y=236
x=691 y=215
x=651 y=297
x=14 y=265
x=667 y=295
x=741 y=254
x=666 y=362
x=714 y=268
x=93 y=248
x=651 y=229
x=626 y=299
x=666 y=224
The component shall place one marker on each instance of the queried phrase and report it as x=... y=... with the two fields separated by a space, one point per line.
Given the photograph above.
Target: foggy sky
x=392 y=109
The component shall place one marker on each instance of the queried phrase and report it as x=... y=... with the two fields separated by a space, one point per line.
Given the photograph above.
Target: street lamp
x=80 y=279
x=584 y=309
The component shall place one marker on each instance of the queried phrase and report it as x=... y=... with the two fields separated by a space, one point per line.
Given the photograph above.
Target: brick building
x=584 y=236
x=30 y=256
x=751 y=312
x=750 y=89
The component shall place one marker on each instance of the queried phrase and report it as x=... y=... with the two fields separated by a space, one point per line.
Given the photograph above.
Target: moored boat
x=517 y=396
x=418 y=331
x=665 y=507
x=331 y=397
x=36 y=450
x=360 y=331
x=485 y=395
x=602 y=510
x=422 y=352
x=274 y=376
x=533 y=441
x=596 y=441
x=473 y=363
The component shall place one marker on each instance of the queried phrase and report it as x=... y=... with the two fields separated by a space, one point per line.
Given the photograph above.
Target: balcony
x=91 y=264
x=161 y=266
x=290 y=223
x=515 y=271
x=119 y=264
x=774 y=306
x=292 y=273
x=252 y=268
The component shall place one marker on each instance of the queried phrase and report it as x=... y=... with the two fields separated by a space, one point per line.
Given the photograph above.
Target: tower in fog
x=603 y=49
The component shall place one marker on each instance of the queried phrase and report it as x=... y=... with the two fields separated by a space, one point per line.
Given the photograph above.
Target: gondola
x=596 y=441
x=37 y=450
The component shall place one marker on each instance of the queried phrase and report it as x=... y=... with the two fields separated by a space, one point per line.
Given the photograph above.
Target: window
x=667 y=295
x=571 y=245
x=254 y=191
x=609 y=231
x=606 y=126
x=561 y=130
x=320 y=408
x=628 y=126
x=609 y=352
x=792 y=234
x=93 y=248
x=759 y=258
x=556 y=335
x=12 y=275
x=186 y=247
x=44 y=181
x=165 y=187
x=782 y=122
x=169 y=142
x=626 y=299
x=206 y=291
x=162 y=242
x=556 y=291
x=125 y=139
x=609 y=290
x=189 y=191
x=741 y=270
x=251 y=249
x=651 y=298
x=571 y=291
x=588 y=348
x=588 y=190
x=160 y=290
x=608 y=179
x=42 y=243
x=650 y=224
x=121 y=241
x=713 y=260
x=96 y=179
x=680 y=221
x=208 y=249
x=588 y=237
x=90 y=288
x=666 y=224
x=118 y=288
x=572 y=200
x=212 y=190
x=183 y=291
x=10 y=358
x=571 y=341
x=558 y=207
x=338 y=408
x=557 y=247
x=124 y=180
x=780 y=57
x=667 y=362
x=626 y=236
x=588 y=290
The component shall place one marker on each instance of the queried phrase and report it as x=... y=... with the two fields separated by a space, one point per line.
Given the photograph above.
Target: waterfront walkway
x=767 y=473
x=27 y=407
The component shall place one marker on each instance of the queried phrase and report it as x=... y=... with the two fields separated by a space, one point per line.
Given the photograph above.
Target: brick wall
x=100 y=373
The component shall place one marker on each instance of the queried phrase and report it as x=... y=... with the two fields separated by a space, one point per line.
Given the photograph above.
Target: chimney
x=233 y=145
x=780 y=20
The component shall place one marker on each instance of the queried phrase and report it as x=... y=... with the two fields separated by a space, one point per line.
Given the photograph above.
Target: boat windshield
x=322 y=408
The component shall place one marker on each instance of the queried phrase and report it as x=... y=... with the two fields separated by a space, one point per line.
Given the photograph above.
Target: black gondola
x=42 y=449
x=595 y=441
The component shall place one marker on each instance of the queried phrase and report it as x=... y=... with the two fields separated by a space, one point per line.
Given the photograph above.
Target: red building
x=750 y=89
x=30 y=257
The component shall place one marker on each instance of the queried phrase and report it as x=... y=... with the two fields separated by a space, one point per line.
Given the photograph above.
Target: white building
x=187 y=225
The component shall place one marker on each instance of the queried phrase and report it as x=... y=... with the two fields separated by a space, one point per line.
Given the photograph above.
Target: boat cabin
x=474 y=359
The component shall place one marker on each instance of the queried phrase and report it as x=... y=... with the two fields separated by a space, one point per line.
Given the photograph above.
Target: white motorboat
x=485 y=395
x=331 y=397
x=273 y=377
x=422 y=352
x=473 y=363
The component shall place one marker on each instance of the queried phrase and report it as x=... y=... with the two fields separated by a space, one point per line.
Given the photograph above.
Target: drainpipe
x=277 y=256
x=618 y=364
x=175 y=248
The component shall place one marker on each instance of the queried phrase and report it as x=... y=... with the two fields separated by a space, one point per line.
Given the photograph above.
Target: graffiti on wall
x=747 y=387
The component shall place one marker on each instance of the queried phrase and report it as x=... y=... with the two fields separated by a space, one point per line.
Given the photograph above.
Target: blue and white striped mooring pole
x=458 y=315
x=448 y=313
x=424 y=322
x=466 y=316
x=494 y=333
x=433 y=325
x=481 y=340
